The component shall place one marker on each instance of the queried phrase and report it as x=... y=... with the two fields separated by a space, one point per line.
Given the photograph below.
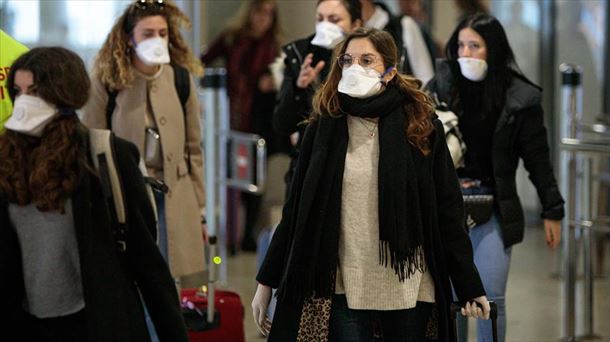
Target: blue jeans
x=492 y=261
x=347 y=325
x=160 y=201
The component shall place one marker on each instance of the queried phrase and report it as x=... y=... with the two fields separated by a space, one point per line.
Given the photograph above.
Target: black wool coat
x=519 y=133
x=113 y=309
x=447 y=248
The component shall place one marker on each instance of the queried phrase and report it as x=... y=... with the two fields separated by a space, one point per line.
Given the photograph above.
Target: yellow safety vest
x=10 y=50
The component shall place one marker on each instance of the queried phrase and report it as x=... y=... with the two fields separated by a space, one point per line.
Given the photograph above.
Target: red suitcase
x=228 y=324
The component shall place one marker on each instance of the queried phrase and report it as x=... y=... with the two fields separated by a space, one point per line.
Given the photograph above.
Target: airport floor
x=534 y=295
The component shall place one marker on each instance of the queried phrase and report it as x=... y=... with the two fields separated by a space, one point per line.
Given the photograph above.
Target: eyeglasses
x=367 y=60
x=148 y=4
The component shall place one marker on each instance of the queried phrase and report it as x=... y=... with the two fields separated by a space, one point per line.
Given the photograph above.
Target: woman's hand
x=308 y=73
x=266 y=84
x=260 y=303
x=552 y=230
x=472 y=310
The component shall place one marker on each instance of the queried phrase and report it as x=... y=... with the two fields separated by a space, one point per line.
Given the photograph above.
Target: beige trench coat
x=185 y=200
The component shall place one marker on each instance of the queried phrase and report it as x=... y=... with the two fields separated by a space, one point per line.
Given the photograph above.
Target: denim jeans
x=492 y=261
x=160 y=201
x=347 y=325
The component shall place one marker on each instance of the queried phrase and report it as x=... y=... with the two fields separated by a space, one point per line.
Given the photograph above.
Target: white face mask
x=328 y=35
x=31 y=115
x=474 y=69
x=153 y=51
x=361 y=83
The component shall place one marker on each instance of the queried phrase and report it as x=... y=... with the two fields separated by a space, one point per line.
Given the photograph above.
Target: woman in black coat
x=306 y=65
x=501 y=120
x=373 y=228
x=63 y=276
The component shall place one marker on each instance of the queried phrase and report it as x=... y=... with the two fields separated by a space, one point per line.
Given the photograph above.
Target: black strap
x=110 y=106
x=120 y=231
x=183 y=88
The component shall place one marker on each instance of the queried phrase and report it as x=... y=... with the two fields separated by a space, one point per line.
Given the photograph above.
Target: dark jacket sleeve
x=273 y=266
x=11 y=276
x=293 y=103
x=532 y=146
x=456 y=243
x=146 y=264
x=217 y=49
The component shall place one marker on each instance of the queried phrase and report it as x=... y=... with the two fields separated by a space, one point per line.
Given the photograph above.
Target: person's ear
x=356 y=24
x=390 y=75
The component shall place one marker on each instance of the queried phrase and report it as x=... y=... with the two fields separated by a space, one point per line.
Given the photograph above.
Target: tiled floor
x=534 y=298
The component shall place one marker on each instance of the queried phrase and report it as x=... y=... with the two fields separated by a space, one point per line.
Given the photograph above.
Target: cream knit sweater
x=367 y=284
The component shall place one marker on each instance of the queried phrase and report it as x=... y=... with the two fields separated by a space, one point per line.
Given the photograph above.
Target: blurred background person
x=306 y=64
x=248 y=45
x=414 y=57
x=11 y=49
x=63 y=275
x=143 y=67
x=418 y=10
x=501 y=120
x=470 y=7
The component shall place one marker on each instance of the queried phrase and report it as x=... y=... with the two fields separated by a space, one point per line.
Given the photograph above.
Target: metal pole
x=213 y=99
x=587 y=256
x=571 y=95
x=222 y=134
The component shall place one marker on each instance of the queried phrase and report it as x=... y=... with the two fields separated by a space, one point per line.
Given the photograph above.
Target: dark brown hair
x=47 y=170
x=353 y=7
x=418 y=106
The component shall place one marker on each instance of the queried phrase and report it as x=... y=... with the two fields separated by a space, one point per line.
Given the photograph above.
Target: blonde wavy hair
x=418 y=105
x=113 y=63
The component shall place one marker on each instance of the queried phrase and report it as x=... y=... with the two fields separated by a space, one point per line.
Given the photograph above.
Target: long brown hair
x=46 y=170
x=113 y=62
x=418 y=106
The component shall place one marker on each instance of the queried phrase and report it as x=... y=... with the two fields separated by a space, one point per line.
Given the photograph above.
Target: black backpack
x=183 y=88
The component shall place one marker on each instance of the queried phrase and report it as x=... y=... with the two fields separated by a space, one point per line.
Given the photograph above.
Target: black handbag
x=478 y=202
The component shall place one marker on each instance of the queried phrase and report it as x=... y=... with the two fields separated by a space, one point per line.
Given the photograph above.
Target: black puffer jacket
x=519 y=133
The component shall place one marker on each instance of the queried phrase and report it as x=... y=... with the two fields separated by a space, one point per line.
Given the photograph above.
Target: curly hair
x=418 y=106
x=47 y=170
x=113 y=63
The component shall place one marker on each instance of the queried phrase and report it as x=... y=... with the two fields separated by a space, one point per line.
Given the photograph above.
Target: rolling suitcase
x=493 y=315
x=228 y=323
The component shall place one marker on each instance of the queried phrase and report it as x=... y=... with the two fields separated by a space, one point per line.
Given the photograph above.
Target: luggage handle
x=197 y=320
x=493 y=315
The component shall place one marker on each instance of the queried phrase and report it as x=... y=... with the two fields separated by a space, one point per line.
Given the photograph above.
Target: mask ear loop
x=385 y=83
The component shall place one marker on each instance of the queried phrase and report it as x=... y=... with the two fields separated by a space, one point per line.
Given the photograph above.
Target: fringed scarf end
x=403 y=265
